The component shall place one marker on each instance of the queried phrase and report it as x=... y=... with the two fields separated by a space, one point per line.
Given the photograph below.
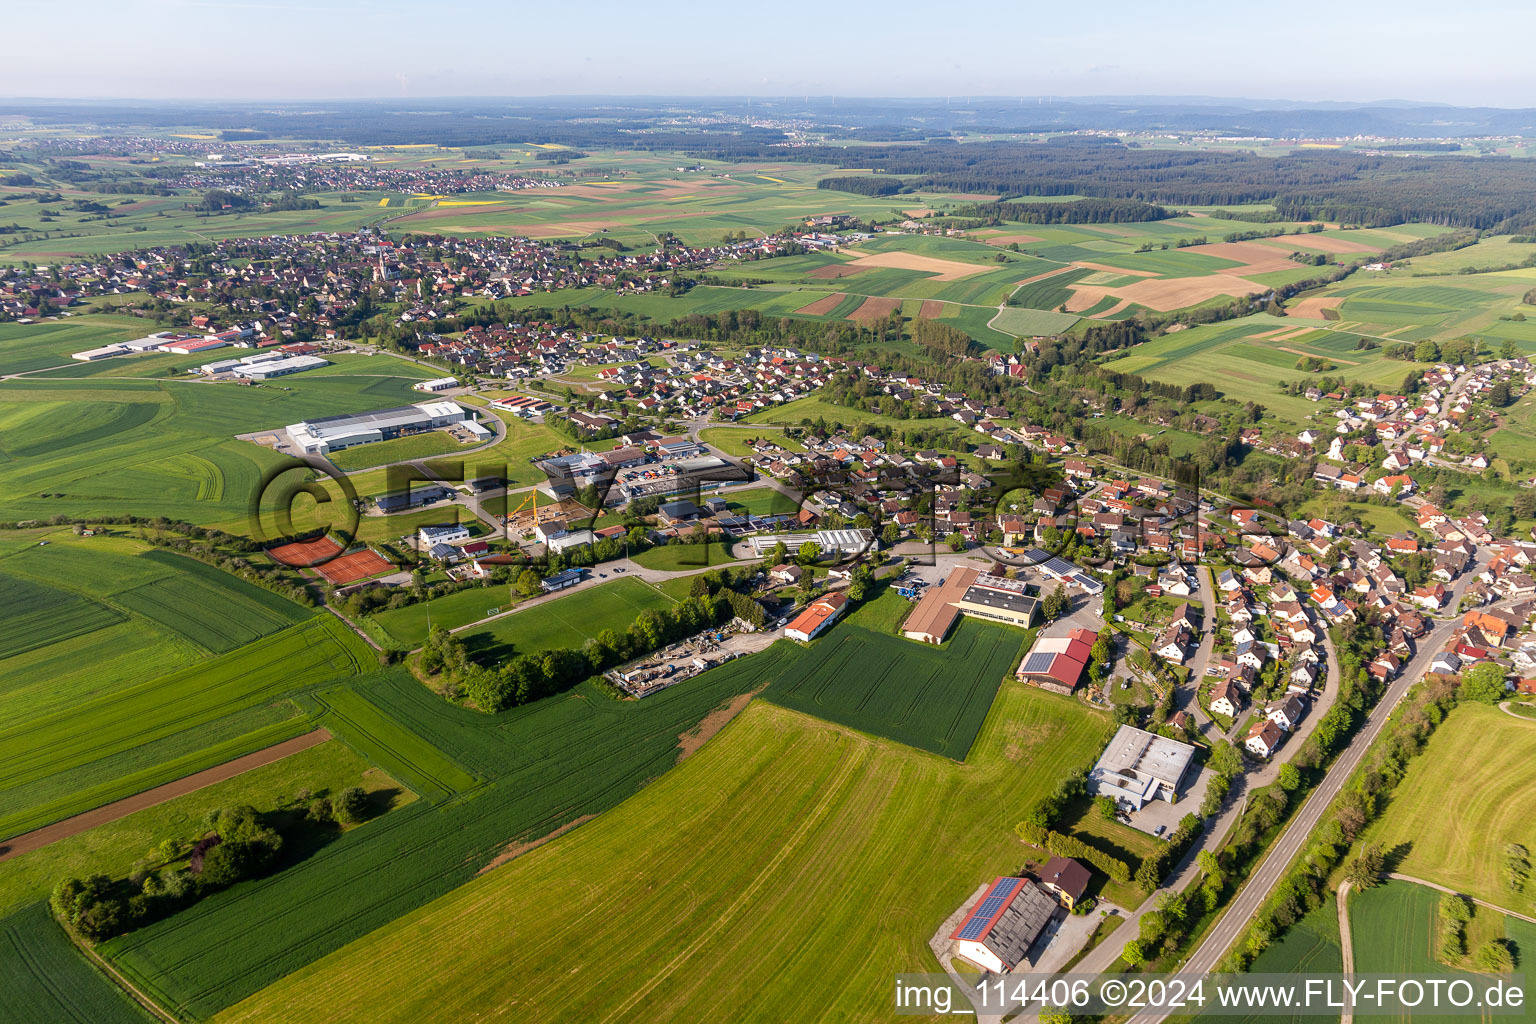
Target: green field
x=111 y=446
x=565 y=621
x=401 y=449
x=208 y=606
x=37 y=615
x=1024 y=323
x=546 y=765
x=1452 y=815
x=761 y=501
x=813 y=408
x=139 y=222
x=930 y=697
x=1247 y=367
x=114 y=848
x=780 y=813
x=685 y=557
x=43 y=978
x=135 y=737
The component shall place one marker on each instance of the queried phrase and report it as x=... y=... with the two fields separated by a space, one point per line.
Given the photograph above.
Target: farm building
x=105 y=352
x=1058 y=662
x=818 y=615
x=333 y=433
x=998 y=932
x=436 y=384
x=1139 y=766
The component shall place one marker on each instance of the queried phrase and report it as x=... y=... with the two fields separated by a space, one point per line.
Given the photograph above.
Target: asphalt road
x=1277 y=860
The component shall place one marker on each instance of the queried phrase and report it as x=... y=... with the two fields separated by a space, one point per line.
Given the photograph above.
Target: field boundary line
x=38 y=838
x=1396 y=877
x=121 y=979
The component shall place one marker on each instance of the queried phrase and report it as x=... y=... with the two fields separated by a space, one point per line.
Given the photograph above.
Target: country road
x=1277 y=860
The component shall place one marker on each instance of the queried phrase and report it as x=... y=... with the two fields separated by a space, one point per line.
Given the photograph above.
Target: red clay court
x=359 y=565
x=304 y=553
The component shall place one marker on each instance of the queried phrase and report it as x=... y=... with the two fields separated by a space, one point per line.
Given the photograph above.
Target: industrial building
x=263 y=365
x=833 y=543
x=333 y=433
x=438 y=384
x=449 y=533
x=1000 y=929
x=413 y=498
x=967 y=592
x=1139 y=766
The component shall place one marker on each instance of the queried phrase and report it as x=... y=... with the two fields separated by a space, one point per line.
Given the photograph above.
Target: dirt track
x=39 y=838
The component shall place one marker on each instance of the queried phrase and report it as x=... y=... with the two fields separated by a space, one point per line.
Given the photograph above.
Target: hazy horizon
x=336 y=50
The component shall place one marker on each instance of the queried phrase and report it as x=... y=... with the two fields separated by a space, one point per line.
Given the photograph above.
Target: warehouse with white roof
x=333 y=433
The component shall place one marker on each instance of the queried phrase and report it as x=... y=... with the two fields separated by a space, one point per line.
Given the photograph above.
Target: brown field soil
x=822 y=306
x=1322 y=243
x=1007 y=239
x=1084 y=296
x=689 y=742
x=943 y=270
x=1166 y=293
x=874 y=308
x=39 y=838
x=1255 y=258
x=931 y=309
x=514 y=850
x=304 y=553
x=836 y=271
x=359 y=565
x=1313 y=308
x=1116 y=270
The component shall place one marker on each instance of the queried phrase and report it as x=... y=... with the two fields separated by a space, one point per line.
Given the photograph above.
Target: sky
x=1439 y=51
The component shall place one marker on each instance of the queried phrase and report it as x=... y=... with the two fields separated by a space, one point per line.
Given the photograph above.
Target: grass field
x=110 y=446
x=685 y=557
x=733 y=441
x=1310 y=946
x=761 y=501
x=547 y=765
x=401 y=449
x=1453 y=813
x=1248 y=367
x=208 y=606
x=779 y=813
x=814 y=408
x=407 y=626
x=44 y=978
x=139 y=222
x=934 y=698
x=1395 y=931
x=566 y=621
x=139 y=736
x=114 y=848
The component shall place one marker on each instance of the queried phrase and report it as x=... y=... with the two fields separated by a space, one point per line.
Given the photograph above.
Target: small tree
x=1055 y=604
x=1483 y=682
x=1290 y=777
x=351 y=804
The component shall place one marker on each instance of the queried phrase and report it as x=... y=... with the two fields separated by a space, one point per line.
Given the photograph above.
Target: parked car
x=1160 y=830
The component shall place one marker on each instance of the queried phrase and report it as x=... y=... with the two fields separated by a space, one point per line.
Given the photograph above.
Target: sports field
x=931 y=697
x=1452 y=815
x=696 y=891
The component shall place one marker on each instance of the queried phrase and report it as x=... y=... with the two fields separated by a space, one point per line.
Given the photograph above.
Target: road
x=1277 y=860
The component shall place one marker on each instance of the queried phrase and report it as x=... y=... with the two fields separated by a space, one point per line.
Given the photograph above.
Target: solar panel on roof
x=1038 y=661
x=987 y=909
